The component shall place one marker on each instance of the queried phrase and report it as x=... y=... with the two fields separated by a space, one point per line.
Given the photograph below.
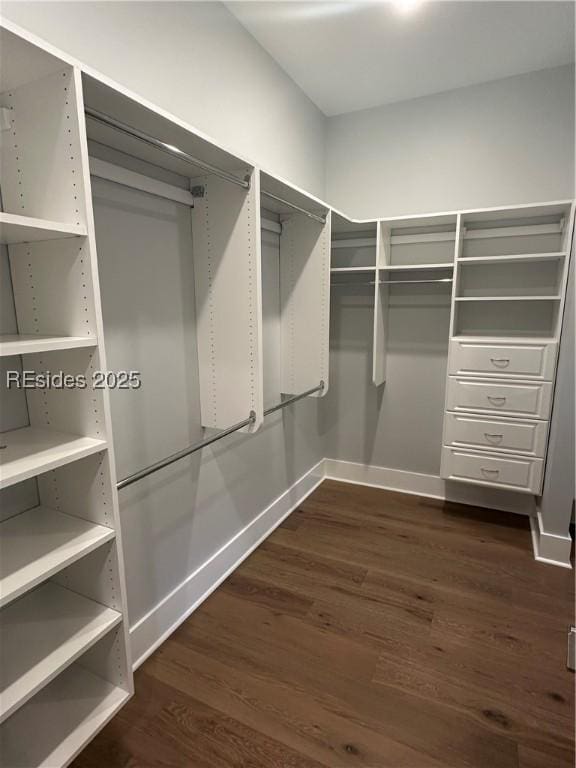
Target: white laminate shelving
x=512 y=258
x=525 y=297
x=43 y=633
x=27 y=344
x=55 y=724
x=510 y=275
x=27 y=229
x=348 y=270
x=40 y=542
x=417 y=267
x=30 y=451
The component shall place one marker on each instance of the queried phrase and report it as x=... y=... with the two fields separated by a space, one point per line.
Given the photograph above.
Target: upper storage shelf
x=420 y=242
x=150 y=122
x=521 y=234
x=40 y=163
x=353 y=245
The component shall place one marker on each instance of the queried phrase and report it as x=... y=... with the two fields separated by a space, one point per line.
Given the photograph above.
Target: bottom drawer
x=516 y=473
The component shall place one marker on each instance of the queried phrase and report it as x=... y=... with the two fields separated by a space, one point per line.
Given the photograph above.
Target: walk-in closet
x=287 y=464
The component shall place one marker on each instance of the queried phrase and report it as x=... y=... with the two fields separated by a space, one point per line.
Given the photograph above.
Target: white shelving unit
x=16 y=229
x=64 y=716
x=38 y=543
x=60 y=626
x=509 y=288
x=29 y=451
x=65 y=662
x=27 y=344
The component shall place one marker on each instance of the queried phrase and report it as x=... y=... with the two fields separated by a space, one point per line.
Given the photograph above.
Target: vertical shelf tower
x=508 y=296
x=65 y=667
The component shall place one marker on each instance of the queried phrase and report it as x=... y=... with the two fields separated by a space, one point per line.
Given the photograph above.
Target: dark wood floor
x=371 y=629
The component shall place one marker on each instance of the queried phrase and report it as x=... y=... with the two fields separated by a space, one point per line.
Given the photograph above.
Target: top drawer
x=518 y=361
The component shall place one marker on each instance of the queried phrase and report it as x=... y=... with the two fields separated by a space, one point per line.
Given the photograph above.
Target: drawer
x=527 y=399
x=516 y=473
x=496 y=434
x=519 y=361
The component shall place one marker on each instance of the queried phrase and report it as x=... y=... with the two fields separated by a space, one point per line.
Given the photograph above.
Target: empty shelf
x=24 y=229
x=16 y=344
x=40 y=542
x=353 y=269
x=409 y=267
x=42 y=634
x=53 y=726
x=30 y=451
x=514 y=257
x=504 y=337
x=507 y=298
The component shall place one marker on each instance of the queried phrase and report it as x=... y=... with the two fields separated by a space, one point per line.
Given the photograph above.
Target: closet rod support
x=185 y=452
x=315 y=216
x=168 y=149
x=293 y=399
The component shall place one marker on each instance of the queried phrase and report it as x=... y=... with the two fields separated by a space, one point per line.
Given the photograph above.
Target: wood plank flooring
x=371 y=629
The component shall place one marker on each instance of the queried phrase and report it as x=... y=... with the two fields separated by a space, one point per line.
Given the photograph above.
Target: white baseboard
x=152 y=629
x=432 y=486
x=548 y=547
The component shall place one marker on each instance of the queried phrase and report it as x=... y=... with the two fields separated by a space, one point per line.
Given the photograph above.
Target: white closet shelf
x=42 y=634
x=352 y=269
x=552 y=256
x=30 y=451
x=27 y=344
x=503 y=338
x=38 y=543
x=25 y=229
x=57 y=723
x=507 y=298
x=410 y=267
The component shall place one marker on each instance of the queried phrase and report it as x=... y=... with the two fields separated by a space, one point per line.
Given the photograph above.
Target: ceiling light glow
x=406 y=6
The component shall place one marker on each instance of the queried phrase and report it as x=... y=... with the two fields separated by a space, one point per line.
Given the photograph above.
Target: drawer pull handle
x=500 y=362
x=497 y=401
x=491 y=472
x=493 y=438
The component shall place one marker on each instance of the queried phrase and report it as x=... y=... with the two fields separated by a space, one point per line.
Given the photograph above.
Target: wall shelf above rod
x=162 y=146
x=393 y=282
x=443 y=237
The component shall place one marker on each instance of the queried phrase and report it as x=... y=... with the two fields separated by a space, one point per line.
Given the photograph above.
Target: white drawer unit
x=496 y=434
x=515 y=473
x=524 y=399
x=518 y=361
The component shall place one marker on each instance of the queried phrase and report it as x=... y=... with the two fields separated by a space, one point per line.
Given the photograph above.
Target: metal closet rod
x=168 y=149
x=134 y=478
x=315 y=216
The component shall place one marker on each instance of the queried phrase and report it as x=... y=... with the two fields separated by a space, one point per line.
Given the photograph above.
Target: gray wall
x=198 y=62
x=500 y=143
x=398 y=425
x=174 y=521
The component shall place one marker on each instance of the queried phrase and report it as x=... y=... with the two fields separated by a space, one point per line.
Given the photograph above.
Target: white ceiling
x=348 y=56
